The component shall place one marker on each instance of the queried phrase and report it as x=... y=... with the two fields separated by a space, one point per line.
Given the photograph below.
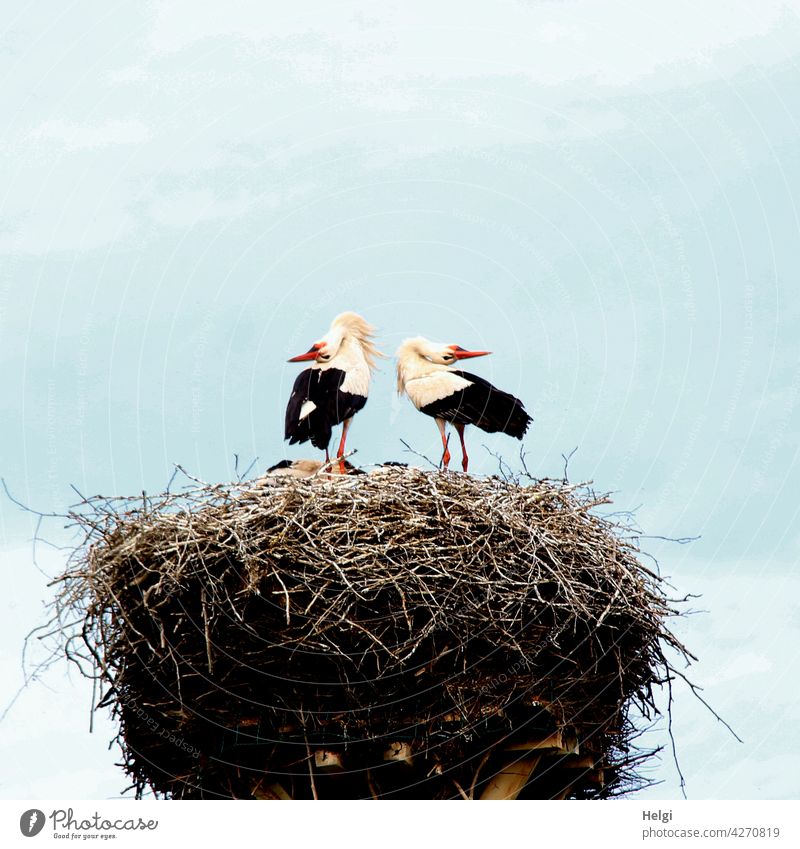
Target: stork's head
x=345 y=328
x=419 y=356
x=318 y=351
x=448 y=354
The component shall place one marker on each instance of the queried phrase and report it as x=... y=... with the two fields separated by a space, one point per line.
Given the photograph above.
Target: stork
x=335 y=387
x=424 y=373
x=307 y=469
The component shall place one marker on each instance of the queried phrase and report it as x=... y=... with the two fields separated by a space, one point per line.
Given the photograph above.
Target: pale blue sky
x=603 y=194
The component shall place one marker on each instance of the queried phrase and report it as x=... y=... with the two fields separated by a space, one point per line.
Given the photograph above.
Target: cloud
x=745 y=643
x=613 y=43
x=231 y=99
x=73 y=136
x=743 y=665
x=186 y=209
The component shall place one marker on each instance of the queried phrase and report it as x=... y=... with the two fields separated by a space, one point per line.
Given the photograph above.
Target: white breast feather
x=350 y=359
x=356 y=380
x=434 y=387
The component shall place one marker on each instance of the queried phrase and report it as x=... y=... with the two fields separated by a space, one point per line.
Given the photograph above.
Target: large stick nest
x=248 y=632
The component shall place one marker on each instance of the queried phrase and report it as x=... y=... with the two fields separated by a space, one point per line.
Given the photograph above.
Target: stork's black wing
x=331 y=406
x=482 y=405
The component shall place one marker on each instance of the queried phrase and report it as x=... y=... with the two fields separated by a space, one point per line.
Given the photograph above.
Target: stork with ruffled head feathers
x=425 y=374
x=335 y=387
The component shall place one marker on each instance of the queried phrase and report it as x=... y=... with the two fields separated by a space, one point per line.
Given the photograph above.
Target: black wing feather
x=484 y=406
x=332 y=406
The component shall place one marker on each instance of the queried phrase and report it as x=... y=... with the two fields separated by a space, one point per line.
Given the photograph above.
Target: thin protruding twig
x=672 y=738
x=566 y=458
x=310 y=759
x=696 y=692
x=460 y=789
x=679 y=540
x=422 y=456
x=487 y=754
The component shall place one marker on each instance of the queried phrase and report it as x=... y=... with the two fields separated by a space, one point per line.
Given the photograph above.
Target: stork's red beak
x=460 y=354
x=310 y=354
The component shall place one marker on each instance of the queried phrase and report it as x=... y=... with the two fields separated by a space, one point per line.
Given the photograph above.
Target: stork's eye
x=448 y=357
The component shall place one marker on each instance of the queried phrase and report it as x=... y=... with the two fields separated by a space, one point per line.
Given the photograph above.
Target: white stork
x=424 y=373
x=307 y=469
x=335 y=387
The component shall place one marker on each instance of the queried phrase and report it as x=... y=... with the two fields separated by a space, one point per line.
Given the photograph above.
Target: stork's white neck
x=413 y=361
x=415 y=365
x=351 y=360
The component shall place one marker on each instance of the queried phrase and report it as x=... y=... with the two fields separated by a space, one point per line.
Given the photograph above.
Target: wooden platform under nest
x=402 y=634
x=548 y=766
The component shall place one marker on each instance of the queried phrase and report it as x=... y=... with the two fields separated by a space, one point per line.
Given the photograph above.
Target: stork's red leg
x=446 y=455
x=340 y=452
x=464 y=458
